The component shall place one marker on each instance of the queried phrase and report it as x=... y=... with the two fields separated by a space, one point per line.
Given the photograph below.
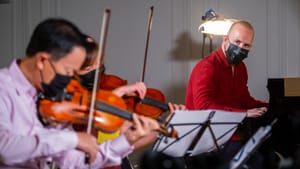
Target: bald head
x=241 y=33
x=242 y=23
x=238 y=42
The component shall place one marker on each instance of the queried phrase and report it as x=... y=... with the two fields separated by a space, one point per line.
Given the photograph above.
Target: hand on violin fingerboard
x=140 y=127
x=174 y=107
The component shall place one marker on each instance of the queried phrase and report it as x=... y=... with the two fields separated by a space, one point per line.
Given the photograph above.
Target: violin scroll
x=172 y=133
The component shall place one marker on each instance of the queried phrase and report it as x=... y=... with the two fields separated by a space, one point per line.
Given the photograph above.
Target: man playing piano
x=219 y=81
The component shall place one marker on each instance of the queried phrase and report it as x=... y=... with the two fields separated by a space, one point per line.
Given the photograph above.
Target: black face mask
x=235 y=54
x=56 y=86
x=87 y=80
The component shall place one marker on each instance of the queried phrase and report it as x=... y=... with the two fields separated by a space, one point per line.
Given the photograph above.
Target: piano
x=284 y=104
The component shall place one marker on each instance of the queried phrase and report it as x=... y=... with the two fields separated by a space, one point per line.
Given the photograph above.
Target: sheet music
x=188 y=124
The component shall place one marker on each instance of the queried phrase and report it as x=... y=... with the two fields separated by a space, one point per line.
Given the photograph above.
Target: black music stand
x=199 y=132
x=251 y=146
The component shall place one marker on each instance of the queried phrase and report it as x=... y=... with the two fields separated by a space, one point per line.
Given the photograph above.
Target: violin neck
x=113 y=110
x=128 y=116
x=153 y=102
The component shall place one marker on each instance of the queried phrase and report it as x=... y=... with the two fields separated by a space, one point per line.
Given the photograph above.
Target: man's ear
x=40 y=58
x=225 y=38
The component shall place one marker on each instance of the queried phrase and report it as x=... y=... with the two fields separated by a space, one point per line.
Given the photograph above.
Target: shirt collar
x=223 y=57
x=19 y=79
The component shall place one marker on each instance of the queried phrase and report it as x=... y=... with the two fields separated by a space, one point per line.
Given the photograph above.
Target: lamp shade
x=215 y=24
x=216 y=27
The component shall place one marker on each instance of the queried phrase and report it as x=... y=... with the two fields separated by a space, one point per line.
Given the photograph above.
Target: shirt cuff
x=122 y=146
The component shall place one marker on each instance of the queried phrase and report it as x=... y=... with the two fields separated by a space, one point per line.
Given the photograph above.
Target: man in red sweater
x=219 y=81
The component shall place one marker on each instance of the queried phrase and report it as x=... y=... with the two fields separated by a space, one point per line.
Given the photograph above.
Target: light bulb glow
x=216 y=27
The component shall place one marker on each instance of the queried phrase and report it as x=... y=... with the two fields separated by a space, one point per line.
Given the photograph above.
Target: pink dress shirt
x=26 y=143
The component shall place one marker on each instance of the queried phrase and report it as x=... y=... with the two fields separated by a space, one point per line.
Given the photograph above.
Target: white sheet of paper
x=188 y=124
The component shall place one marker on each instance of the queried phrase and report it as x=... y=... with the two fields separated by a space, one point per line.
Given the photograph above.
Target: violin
x=111 y=82
x=110 y=110
x=75 y=94
x=153 y=105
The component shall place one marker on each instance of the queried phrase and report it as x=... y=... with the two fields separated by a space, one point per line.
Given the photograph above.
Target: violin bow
x=100 y=55
x=147 y=43
x=147 y=100
x=102 y=43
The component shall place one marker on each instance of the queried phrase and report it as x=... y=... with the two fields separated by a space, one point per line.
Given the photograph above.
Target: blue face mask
x=235 y=54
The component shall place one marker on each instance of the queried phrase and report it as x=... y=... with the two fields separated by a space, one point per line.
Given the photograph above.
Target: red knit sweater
x=212 y=85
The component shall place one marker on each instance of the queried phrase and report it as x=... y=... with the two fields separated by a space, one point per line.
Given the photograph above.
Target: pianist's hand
x=256 y=112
